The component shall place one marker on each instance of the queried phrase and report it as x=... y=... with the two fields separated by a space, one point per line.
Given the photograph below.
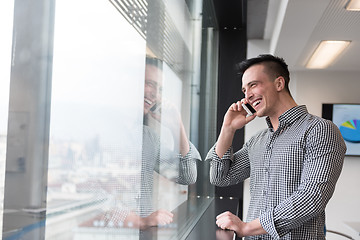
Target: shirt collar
x=289 y=116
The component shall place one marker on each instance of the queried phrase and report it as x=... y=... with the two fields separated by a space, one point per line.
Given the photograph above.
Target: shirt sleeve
x=325 y=150
x=188 y=166
x=230 y=169
x=169 y=163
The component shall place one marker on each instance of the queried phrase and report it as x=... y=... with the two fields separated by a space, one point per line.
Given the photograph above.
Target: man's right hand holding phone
x=235 y=118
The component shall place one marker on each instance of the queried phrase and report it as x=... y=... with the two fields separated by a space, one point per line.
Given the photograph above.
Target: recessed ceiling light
x=326 y=53
x=353 y=5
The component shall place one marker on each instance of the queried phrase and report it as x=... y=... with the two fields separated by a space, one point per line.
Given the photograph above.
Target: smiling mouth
x=148 y=101
x=257 y=102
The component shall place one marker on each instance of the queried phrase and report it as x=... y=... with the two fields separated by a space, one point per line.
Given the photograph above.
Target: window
x=100 y=113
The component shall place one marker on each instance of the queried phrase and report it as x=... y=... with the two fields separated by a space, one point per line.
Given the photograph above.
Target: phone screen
x=156 y=108
x=248 y=108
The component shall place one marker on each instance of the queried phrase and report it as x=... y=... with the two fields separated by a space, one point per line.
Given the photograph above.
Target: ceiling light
x=326 y=53
x=353 y=5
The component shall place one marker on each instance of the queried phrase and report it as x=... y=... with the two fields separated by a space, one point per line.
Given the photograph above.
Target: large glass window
x=96 y=133
x=103 y=98
x=6 y=24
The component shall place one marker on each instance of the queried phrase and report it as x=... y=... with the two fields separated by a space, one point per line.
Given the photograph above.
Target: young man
x=293 y=165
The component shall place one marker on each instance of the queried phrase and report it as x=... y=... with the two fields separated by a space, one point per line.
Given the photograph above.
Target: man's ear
x=280 y=83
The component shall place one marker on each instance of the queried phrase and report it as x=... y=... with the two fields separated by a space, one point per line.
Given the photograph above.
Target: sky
x=98 y=69
x=97 y=75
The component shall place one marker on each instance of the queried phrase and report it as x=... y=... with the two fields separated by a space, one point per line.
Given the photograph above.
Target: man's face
x=153 y=87
x=260 y=90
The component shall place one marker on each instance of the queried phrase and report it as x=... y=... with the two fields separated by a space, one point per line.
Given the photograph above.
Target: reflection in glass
x=119 y=157
x=175 y=159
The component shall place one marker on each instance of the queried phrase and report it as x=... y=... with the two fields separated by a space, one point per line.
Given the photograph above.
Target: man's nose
x=153 y=93
x=248 y=95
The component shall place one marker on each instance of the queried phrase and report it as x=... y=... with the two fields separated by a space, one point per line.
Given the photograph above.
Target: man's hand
x=227 y=220
x=235 y=118
x=170 y=117
x=167 y=114
x=157 y=218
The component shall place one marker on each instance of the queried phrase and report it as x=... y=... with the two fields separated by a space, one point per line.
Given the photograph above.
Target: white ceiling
x=294 y=28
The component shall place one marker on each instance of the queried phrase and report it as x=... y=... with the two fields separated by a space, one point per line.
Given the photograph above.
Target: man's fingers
x=236 y=107
x=223 y=220
x=227 y=213
x=249 y=118
x=164 y=217
x=166 y=212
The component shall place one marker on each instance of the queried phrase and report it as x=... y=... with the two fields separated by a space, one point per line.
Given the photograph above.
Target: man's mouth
x=148 y=101
x=256 y=103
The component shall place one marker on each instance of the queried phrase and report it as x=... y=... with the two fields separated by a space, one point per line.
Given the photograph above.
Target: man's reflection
x=177 y=164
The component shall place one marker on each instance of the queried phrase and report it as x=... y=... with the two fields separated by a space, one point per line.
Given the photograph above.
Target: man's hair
x=154 y=62
x=274 y=67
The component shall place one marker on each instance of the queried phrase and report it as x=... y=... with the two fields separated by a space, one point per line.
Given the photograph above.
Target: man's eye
x=150 y=84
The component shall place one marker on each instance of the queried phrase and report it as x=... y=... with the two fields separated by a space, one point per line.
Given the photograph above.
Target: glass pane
x=99 y=119
x=6 y=24
x=119 y=157
x=96 y=120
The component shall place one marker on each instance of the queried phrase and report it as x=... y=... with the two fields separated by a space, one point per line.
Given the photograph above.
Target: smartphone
x=248 y=108
x=156 y=108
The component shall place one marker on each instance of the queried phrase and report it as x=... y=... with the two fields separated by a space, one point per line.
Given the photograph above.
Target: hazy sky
x=98 y=71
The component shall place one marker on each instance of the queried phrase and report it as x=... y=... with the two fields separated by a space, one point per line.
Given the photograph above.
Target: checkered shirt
x=293 y=172
x=169 y=164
